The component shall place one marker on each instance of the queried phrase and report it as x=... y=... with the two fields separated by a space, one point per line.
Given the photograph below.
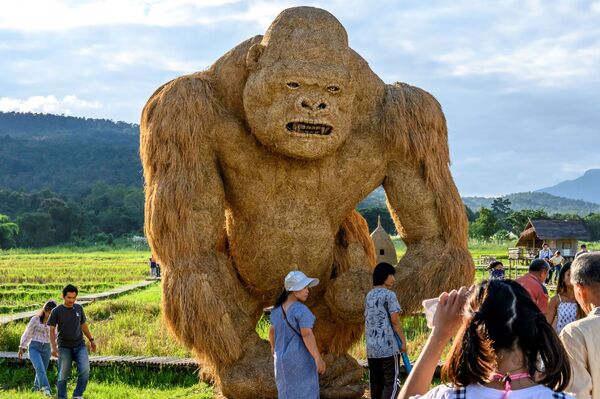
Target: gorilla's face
x=300 y=110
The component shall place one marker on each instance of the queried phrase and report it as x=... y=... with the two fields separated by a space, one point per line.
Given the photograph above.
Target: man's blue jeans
x=66 y=356
x=39 y=354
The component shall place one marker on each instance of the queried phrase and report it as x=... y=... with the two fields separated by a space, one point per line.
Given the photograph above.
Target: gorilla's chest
x=272 y=186
x=285 y=213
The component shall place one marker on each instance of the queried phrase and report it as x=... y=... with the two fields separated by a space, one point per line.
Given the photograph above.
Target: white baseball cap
x=296 y=280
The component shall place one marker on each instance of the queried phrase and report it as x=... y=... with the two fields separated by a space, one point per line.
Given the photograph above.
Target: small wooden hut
x=384 y=246
x=560 y=235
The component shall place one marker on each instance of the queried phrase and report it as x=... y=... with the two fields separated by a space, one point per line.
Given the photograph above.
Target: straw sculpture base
x=254 y=167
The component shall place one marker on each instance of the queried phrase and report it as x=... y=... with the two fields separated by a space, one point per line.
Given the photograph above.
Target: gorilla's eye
x=333 y=89
x=293 y=85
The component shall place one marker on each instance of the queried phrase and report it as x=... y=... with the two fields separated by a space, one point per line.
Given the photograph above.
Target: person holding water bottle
x=384 y=334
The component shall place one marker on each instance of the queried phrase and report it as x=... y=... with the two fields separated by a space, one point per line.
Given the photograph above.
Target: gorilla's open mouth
x=309 y=128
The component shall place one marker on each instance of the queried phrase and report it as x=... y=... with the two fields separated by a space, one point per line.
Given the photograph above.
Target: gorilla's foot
x=251 y=376
x=343 y=378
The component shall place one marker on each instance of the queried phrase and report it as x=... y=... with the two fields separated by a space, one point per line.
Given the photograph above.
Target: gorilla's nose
x=306 y=104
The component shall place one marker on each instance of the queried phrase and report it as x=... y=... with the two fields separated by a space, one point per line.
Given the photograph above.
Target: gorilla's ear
x=253 y=56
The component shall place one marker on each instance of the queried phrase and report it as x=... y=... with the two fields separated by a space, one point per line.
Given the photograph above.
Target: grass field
x=476 y=247
x=29 y=278
x=130 y=324
x=111 y=383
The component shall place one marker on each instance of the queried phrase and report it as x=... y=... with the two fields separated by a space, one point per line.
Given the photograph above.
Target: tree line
x=105 y=212
x=46 y=218
x=496 y=223
x=499 y=221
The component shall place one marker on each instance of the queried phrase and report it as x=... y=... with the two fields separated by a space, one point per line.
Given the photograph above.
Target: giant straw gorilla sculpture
x=253 y=168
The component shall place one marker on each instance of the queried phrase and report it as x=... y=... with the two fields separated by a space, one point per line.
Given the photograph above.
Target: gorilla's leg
x=340 y=320
x=206 y=307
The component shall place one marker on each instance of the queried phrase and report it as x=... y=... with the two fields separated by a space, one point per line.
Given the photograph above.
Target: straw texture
x=254 y=167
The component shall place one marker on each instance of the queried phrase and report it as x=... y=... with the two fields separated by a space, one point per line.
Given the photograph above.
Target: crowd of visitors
x=508 y=339
x=504 y=335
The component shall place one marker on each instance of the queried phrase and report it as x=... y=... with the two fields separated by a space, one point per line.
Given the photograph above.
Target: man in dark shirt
x=70 y=321
x=582 y=251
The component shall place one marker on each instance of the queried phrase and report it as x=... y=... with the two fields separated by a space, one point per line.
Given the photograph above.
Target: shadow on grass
x=21 y=376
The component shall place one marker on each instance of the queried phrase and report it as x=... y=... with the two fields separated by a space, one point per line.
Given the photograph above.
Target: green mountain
x=537 y=200
x=532 y=200
x=66 y=154
x=374 y=200
x=586 y=187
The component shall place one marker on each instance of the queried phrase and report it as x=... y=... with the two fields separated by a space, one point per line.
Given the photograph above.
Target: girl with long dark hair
x=501 y=340
x=563 y=307
x=36 y=338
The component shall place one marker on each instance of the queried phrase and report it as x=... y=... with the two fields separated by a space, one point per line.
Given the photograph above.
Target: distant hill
x=586 y=187
x=532 y=200
x=374 y=200
x=537 y=200
x=66 y=154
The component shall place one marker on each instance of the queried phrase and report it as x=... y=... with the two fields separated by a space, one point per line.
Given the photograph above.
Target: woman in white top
x=37 y=338
x=556 y=262
x=563 y=307
x=499 y=335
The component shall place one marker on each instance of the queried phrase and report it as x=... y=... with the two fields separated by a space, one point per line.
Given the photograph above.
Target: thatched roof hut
x=384 y=246
x=560 y=235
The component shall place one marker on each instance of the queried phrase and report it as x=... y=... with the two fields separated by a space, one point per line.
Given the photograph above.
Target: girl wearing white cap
x=293 y=344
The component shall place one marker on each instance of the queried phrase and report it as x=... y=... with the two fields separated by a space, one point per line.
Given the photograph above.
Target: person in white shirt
x=36 y=338
x=557 y=262
x=499 y=335
x=581 y=337
x=545 y=252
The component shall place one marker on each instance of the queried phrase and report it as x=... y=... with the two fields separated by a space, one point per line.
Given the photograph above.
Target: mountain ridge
x=67 y=155
x=585 y=187
x=519 y=201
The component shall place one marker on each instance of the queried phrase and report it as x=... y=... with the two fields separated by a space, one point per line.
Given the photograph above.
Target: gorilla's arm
x=184 y=192
x=423 y=200
x=185 y=219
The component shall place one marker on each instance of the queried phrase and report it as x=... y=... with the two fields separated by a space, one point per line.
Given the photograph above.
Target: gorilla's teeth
x=308 y=128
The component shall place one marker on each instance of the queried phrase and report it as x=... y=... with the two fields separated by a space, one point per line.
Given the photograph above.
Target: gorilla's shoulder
x=412 y=118
x=410 y=97
x=187 y=96
x=185 y=88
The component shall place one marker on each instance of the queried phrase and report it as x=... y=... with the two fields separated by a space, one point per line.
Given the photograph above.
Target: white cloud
x=116 y=60
x=545 y=61
x=68 y=105
x=57 y=15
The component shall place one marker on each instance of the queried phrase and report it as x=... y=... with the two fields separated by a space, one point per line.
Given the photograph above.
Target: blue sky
x=519 y=81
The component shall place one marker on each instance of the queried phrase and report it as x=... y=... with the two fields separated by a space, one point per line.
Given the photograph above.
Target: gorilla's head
x=299 y=94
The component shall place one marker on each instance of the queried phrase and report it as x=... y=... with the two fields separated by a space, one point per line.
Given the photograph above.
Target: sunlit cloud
x=54 y=15
x=68 y=105
x=115 y=60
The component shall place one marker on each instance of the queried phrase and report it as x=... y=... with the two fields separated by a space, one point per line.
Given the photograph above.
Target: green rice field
x=28 y=279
